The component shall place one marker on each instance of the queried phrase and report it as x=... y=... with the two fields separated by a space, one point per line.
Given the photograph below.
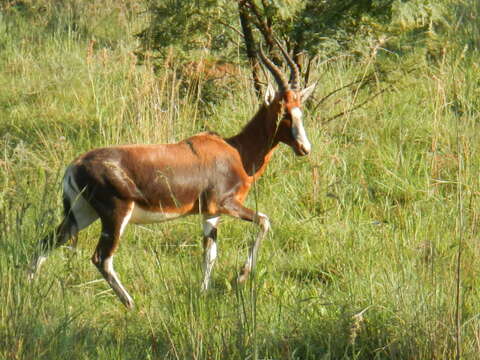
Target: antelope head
x=288 y=99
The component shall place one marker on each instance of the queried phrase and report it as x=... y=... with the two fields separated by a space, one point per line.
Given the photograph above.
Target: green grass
x=361 y=261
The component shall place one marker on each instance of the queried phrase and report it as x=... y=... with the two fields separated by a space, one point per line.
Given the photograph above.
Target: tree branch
x=231 y=28
x=365 y=80
x=357 y=106
x=261 y=24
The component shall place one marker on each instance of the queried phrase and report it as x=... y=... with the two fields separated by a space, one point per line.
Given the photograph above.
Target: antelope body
x=204 y=174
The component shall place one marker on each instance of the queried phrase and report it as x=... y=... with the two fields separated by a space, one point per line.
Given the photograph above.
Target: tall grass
x=362 y=259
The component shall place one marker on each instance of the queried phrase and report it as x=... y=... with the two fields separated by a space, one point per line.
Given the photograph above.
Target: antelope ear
x=269 y=94
x=305 y=93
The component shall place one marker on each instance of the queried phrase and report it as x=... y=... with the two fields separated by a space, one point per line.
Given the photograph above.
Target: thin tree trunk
x=298 y=55
x=250 y=46
x=264 y=24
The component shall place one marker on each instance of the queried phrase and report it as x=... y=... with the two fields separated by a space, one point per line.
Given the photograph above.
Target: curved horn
x=295 y=73
x=276 y=72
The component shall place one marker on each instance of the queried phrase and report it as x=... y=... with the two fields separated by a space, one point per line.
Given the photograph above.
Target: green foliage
x=188 y=25
x=327 y=27
x=319 y=27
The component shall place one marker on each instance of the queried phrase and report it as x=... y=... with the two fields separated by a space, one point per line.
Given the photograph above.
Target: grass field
x=372 y=235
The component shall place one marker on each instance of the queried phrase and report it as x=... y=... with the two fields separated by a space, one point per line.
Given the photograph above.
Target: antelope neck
x=257 y=140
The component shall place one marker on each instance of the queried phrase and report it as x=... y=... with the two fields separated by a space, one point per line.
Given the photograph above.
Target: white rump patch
x=81 y=210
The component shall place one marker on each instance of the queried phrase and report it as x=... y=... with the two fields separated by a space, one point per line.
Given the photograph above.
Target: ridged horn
x=294 y=72
x=276 y=72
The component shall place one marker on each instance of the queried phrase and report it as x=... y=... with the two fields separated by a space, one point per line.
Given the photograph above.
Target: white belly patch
x=141 y=216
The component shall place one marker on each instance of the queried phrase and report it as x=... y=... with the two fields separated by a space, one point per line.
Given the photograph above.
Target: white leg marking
x=35 y=266
x=108 y=263
x=108 y=267
x=41 y=259
x=209 y=261
x=210 y=250
x=249 y=263
x=126 y=219
x=210 y=224
x=264 y=223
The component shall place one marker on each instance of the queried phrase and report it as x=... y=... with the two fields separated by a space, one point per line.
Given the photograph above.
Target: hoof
x=243 y=275
x=33 y=268
x=31 y=274
x=128 y=305
x=127 y=301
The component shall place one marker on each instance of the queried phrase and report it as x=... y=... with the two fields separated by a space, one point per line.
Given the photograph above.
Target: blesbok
x=204 y=174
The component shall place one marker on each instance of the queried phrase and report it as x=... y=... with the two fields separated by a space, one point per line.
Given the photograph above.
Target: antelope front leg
x=261 y=220
x=209 y=248
x=236 y=209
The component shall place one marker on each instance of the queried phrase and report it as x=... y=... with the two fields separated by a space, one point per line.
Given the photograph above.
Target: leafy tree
x=188 y=25
x=311 y=28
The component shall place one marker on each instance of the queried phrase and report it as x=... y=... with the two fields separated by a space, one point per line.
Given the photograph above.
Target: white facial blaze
x=298 y=130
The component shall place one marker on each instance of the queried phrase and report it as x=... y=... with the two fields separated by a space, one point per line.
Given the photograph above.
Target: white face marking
x=296 y=113
x=141 y=216
x=298 y=130
x=210 y=224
